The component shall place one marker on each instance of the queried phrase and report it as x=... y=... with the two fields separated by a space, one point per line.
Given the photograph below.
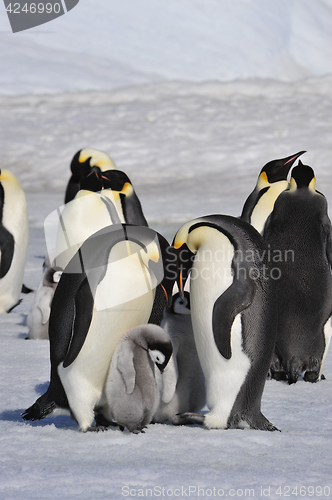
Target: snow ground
x=190 y=111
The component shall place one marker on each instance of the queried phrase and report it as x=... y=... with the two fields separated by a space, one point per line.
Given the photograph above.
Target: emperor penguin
x=233 y=315
x=104 y=198
x=182 y=384
x=131 y=390
x=82 y=162
x=127 y=203
x=272 y=181
x=299 y=234
x=14 y=234
x=106 y=289
x=39 y=314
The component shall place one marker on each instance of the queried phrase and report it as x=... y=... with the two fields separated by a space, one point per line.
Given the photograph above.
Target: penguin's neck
x=265 y=204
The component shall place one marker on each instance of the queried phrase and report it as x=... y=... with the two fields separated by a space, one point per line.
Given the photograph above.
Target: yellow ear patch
x=262 y=181
x=98 y=159
x=127 y=189
x=312 y=184
x=292 y=184
x=178 y=243
x=7 y=175
x=182 y=234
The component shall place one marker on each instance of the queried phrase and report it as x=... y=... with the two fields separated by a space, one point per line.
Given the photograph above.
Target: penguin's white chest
x=265 y=205
x=15 y=220
x=211 y=276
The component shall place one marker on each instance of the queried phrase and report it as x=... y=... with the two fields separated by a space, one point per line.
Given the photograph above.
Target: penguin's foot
x=43 y=407
x=278 y=375
x=261 y=423
x=102 y=421
x=95 y=428
x=312 y=377
x=191 y=418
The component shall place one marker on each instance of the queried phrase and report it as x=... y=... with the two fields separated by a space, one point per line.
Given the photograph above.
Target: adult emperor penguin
x=82 y=162
x=39 y=314
x=106 y=289
x=233 y=315
x=104 y=198
x=182 y=384
x=272 y=181
x=123 y=195
x=131 y=390
x=14 y=232
x=299 y=234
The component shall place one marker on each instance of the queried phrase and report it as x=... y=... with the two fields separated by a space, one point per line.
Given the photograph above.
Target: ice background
x=190 y=98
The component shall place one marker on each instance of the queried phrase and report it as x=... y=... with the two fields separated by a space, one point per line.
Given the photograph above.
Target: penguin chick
x=182 y=385
x=131 y=390
x=39 y=314
x=14 y=233
x=272 y=181
x=82 y=162
x=299 y=229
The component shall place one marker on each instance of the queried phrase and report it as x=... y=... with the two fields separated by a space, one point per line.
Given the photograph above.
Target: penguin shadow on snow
x=60 y=422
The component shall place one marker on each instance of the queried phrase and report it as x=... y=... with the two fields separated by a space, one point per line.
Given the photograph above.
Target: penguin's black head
x=184 y=262
x=277 y=170
x=91 y=180
x=303 y=177
x=115 y=179
x=78 y=167
x=160 y=353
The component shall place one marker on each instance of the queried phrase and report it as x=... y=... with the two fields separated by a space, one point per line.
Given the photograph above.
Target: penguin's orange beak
x=184 y=264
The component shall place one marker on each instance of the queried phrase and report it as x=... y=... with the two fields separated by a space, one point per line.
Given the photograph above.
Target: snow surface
x=110 y=43
x=155 y=93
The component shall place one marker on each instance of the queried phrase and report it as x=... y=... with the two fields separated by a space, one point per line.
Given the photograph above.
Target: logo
x=26 y=14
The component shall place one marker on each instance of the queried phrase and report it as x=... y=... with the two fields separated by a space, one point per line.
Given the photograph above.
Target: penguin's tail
x=43 y=407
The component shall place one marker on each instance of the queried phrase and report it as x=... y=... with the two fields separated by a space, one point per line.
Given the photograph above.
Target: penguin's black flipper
x=328 y=234
x=7 y=245
x=249 y=206
x=241 y=293
x=158 y=307
x=132 y=210
x=83 y=314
